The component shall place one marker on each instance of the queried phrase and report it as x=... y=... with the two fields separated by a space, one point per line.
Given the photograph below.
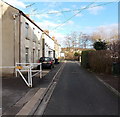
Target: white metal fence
x=29 y=68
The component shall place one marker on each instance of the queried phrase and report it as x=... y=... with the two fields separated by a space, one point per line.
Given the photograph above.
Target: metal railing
x=28 y=68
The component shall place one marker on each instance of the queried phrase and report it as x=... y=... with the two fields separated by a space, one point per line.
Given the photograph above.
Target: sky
x=62 y=18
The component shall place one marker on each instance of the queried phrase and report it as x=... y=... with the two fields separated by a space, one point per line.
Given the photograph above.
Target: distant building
x=62 y=55
x=69 y=52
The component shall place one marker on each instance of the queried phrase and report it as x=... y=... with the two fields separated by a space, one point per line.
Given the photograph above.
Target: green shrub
x=85 y=58
x=100 y=61
x=99 y=45
x=76 y=54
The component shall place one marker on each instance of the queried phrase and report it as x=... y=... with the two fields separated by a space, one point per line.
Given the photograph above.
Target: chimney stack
x=27 y=15
x=53 y=38
x=46 y=31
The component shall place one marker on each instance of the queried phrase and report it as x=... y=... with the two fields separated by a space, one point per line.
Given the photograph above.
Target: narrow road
x=78 y=92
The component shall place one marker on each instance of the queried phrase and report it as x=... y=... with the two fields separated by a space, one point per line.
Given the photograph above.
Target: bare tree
x=108 y=34
x=68 y=41
x=85 y=39
x=80 y=45
x=95 y=36
x=76 y=39
x=71 y=40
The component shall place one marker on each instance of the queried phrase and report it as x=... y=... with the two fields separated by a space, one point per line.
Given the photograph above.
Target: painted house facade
x=57 y=48
x=10 y=36
x=23 y=41
x=48 y=44
x=31 y=41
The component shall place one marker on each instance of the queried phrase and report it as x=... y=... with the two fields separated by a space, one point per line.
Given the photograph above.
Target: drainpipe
x=42 y=47
x=20 y=38
x=14 y=17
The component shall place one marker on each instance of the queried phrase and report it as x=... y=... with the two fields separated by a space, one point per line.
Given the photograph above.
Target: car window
x=47 y=59
x=42 y=59
x=52 y=58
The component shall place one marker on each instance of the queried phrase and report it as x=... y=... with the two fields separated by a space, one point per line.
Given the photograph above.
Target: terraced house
x=23 y=41
x=57 y=48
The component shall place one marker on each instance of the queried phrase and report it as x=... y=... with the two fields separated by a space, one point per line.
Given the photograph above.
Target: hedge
x=85 y=58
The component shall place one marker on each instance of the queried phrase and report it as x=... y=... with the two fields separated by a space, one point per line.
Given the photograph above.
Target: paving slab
x=26 y=110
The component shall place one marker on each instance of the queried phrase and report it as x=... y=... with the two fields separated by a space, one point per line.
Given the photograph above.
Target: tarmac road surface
x=78 y=92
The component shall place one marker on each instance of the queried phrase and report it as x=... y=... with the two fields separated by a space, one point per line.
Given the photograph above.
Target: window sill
x=27 y=38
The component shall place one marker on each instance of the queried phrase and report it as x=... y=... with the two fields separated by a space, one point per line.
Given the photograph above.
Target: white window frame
x=26 y=30
x=27 y=55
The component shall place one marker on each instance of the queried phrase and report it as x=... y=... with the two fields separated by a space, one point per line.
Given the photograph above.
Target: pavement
x=112 y=80
x=79 y=92
x=15 y=93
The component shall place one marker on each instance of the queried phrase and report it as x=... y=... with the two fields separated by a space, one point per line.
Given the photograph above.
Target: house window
x=27 y=55
x=34 y=36
x=38 y=41
x=38 y=37
x=38 y=54
x=26 y=29
x=33 y=55
x=49 y=53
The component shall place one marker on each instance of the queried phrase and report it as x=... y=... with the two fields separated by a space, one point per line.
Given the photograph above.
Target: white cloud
x=108 y=30
x=74 y=6
x=95 y=10
x=79 y=15
x=83 y=7
x=52 y=25
x=47 y=24
x=70 y=22
x=42 y=16
x=109 y=26
x=58 y=36
x=87 y=29
x=46 y=15
x=66 y=9
x=57 y=13
x=16 y=3
x=53 y=11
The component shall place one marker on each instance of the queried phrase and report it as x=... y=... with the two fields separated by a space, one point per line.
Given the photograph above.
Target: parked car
x=56 y=61
x=52 y=59
x=47 y=62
